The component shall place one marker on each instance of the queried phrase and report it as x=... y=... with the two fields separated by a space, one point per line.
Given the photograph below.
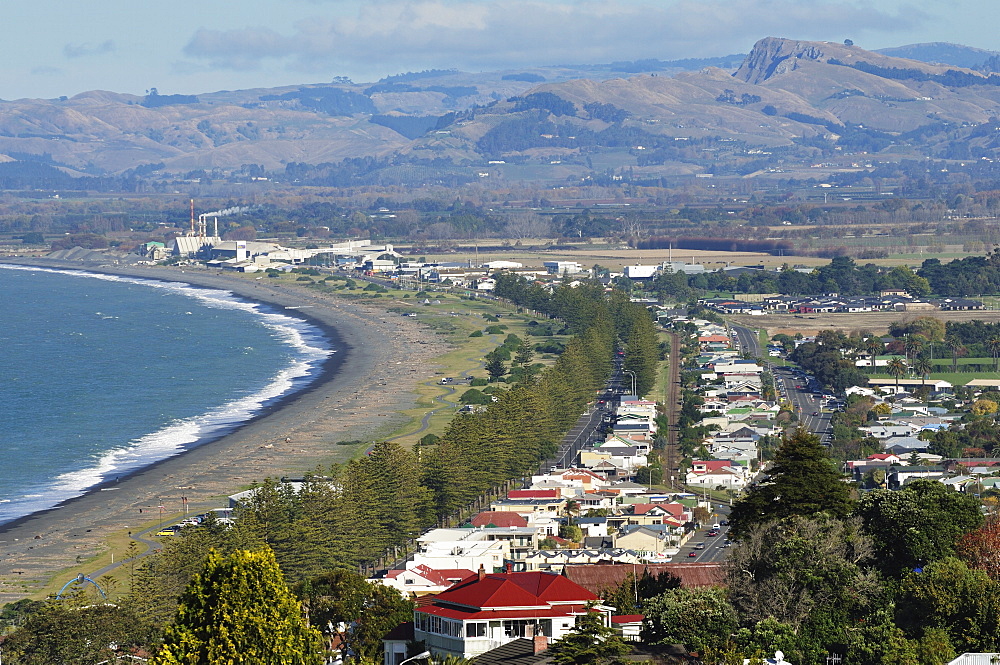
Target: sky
x=51 y=48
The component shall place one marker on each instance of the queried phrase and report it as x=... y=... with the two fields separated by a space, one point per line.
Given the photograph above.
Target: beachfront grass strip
x=115 y=547
x=457 y=318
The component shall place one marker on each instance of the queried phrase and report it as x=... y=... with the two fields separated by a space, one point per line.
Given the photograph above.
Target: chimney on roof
x=482 y=571
x=541 y=643
x=509 y=568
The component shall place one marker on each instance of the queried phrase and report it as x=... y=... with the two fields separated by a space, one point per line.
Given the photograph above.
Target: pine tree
x=589 y=643
x=802 y=481
x=239 y=611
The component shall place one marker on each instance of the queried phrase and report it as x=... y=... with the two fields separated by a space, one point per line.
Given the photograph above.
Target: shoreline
x=358 y=394
x=323 y=373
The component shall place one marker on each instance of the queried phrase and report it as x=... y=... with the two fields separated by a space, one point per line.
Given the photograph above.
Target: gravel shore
x=367 y=383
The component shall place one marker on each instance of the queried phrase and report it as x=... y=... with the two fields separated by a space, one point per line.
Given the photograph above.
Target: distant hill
x=785 y=102
x=943 y=53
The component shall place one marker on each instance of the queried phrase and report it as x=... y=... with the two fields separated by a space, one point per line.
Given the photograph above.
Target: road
x=587 y=427
x=715 y=548
x=746 y=340
x=796 y=389
x=793 y=387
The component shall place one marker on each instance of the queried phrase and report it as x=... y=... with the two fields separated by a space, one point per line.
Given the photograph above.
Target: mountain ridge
x=788 y=95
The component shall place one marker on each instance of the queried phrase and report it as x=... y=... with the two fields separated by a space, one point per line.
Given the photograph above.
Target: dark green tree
x=495 y=366
x=949 y=596
x=629 y=596
x=591 y=642
x=807 y=573
x=917 y=524
x=802 y=481
x=61 y=633
x=700 y=619
x=238 y=610
x=365 y=610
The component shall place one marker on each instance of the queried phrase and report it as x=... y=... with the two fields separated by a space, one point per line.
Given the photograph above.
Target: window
x=527 y=627
x=475 y=629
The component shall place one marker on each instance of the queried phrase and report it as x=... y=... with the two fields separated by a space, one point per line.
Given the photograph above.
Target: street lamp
x=419 y=656
x=632 y=373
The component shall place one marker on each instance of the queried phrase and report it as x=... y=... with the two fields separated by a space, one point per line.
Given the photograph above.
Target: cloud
x=84 y=50
x=46 y=71
x=239 y=49
x=487 y=34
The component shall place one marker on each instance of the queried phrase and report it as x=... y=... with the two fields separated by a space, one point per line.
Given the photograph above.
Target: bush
x=494 y=330
x=473 y=396
x=479 y=381
x=476 y=333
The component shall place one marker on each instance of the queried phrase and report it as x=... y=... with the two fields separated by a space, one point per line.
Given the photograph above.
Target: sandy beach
x=369 y=381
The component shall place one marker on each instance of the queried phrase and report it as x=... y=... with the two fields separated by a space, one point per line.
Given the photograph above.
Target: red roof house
x=487 y=610
x=499 y=518
x=534 y=494
x=421 y=579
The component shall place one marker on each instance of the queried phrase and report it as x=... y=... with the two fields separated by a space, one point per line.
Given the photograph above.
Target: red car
x=692 y=554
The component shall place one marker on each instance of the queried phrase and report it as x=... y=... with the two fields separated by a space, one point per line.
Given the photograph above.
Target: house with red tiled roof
x=885 y=457
x=534 y=494
x=487 y=611
x=499 y=518
x=717 y=473
x=420 y=579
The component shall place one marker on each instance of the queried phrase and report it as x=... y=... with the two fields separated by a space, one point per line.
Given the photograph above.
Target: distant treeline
x=332 y=101
x=971 y=276
x=951 y=78
x=452 y=91
x=412 y=127
x=527 y=77
x=841 y=276
x=155 y=100
x=718 y=244
x=414 y=76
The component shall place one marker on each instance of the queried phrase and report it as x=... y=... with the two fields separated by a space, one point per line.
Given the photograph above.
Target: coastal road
x=586 y=429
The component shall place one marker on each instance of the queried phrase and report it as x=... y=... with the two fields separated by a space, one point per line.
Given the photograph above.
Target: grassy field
x=455 y=317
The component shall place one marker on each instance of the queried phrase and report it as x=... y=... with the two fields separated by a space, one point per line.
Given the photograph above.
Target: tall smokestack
x=192 y=216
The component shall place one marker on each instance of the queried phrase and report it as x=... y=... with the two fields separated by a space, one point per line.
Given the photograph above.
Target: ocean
x=103 y=375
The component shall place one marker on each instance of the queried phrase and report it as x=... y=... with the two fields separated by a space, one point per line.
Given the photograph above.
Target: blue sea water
x=102 y=375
